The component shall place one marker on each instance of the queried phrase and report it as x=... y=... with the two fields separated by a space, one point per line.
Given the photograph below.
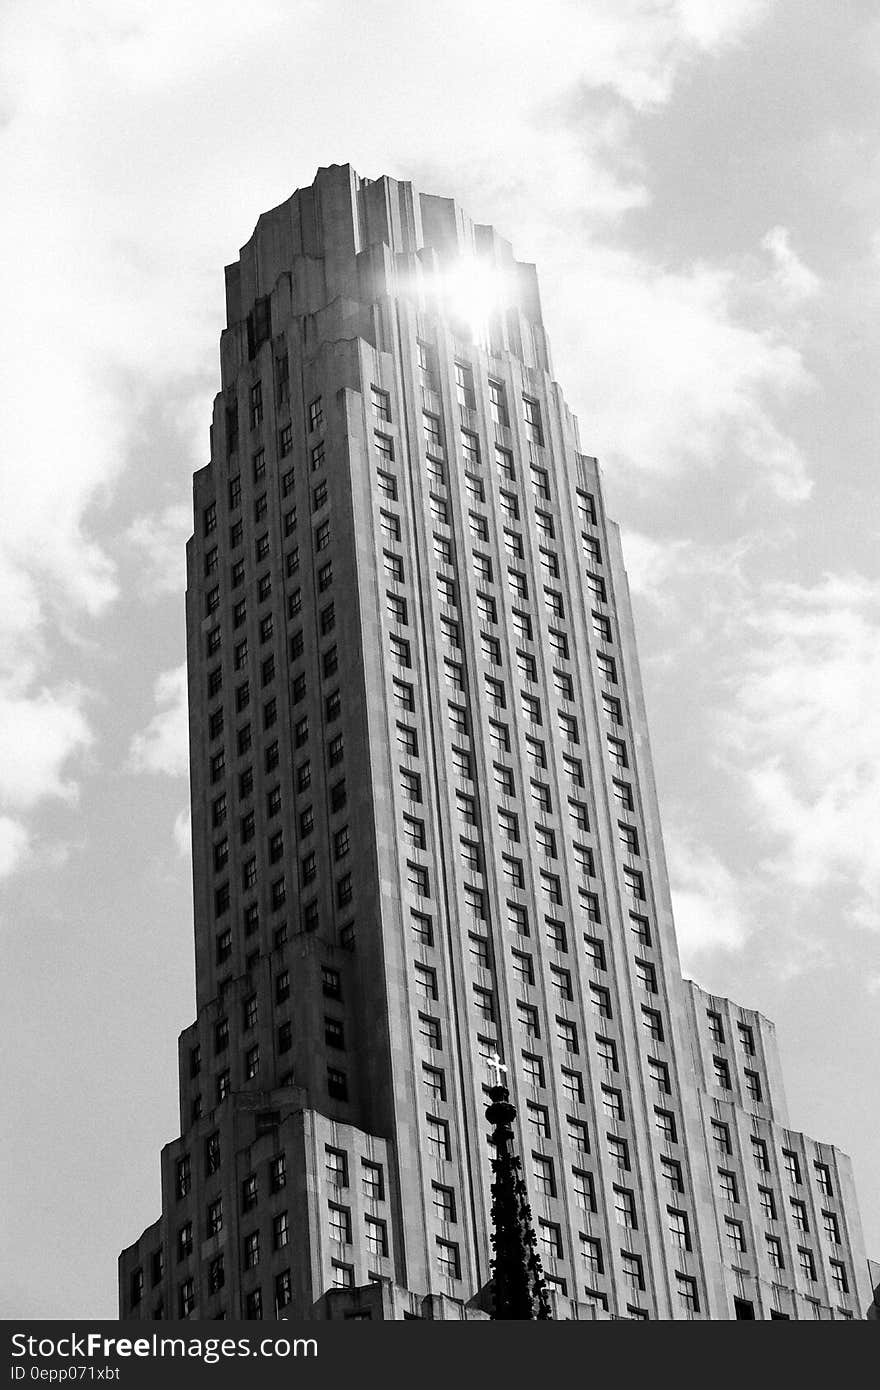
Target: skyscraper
x=426 y=835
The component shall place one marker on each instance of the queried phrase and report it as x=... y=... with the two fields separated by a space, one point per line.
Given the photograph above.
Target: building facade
x=426 y=835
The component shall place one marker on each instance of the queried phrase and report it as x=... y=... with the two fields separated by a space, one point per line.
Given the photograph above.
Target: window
x=753 y=1085
x=584 y=1189
x=631 y=1268
x=774 y=1252
x=672 y=1175
x=734 y=1235
x=438 y=1138
x=653 y=1023
x=518 y=919
x=280 y=1231
x=538 y=1119
x=498 y=403
x=721 y=1137
x=687 y=1293
x=807 y=1263
x=479 y=949
x=546 y=841
x=377 y=1236
x=417 y=878
x=550 y=1239
x=339 y=1222
x=618 y=1151
x=747 y=1039
x=566 y=1032
x=331 y=983
x=556 y=934
x=607 y=1052
x=759 y=1153
x=562 y=982
x=792 y=1166
x=343 y=1275
x=545 y=1182
x=528 y=1018
x=411 y=785
x=573 y=770
x=728 y=1186
x=186 y=1298
x=665 y=1121
x=722 y=1073
x=429 y=1031
x=426 y=981
x=532 y=419
x=799 y=1214
x=533 y=1069
x=634 y=884
x=447 y=1259
x=678 y=1228
x=470 y=447
x=595 y=951
x=432 y=433
x=572 y=1085
x=400 y=651
x=823 y=1178
x=334 y=1033
x=381 y=402
x=252 y=1249
x=838 y=1275
x=565 y=691
x=184 y=1240
x=513 y=871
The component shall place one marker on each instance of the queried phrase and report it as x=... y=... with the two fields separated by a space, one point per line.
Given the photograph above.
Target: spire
x=518 y=1280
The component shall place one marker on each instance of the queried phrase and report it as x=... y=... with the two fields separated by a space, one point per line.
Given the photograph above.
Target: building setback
x=426 y=835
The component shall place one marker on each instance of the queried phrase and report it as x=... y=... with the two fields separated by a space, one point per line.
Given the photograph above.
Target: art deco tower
x=425 y=832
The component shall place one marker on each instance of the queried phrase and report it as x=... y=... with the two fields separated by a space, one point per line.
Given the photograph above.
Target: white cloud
x=161 y=541
x=793 y=280
x=673 y=379
x=707 y=899
x=14 y=845
x=806 y=734
x=183 y=833
x=672 y=575
x=163 y=747
x=39 y=733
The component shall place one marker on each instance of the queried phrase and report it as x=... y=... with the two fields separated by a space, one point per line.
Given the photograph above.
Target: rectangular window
x=432 y=433
x=447 y=1259
x=665 y=1121
x=728 y=1185
x=584 y=1189
x=687 y=1293
x=532 y=420
x=381 y=402
x=438 y=1138
x=498 y=403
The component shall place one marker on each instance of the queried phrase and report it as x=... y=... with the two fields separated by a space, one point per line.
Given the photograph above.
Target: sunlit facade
x=426 y=835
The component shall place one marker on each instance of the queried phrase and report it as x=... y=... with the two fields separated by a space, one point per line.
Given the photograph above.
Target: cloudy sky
x=699 y=183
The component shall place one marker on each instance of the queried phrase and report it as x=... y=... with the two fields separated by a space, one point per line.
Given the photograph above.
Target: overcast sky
x=699 y=184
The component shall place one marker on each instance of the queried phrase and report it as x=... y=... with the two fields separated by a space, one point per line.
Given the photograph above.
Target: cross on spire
x=497 y=1068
